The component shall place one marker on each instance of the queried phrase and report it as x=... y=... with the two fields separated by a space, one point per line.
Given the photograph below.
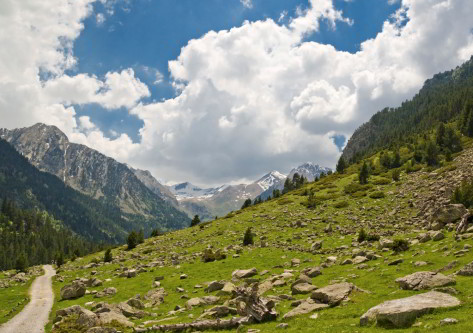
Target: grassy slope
x=273 y=221
x=13 y=299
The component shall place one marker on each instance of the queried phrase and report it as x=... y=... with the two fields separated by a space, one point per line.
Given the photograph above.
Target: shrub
x=362 y=236
x=355 y=187
x=59 y=259
x=248 y=237
x=464 y=194
x=400 y=245
x=21 y=263
x=311 y=200
x=372 y=238
x=364 y=174
x=107 y=257
x=396 y=175
x=377 y=195
x=381 y=181
x=341 y=204
x=156 y=233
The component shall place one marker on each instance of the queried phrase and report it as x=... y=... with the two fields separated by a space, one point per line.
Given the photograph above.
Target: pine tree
x=248 y=237
x=59 y=259
x=432 y=154
x=132 y=240
x=246 y=204
x=21 y=263
x=364 y=174
x=341 y=165
x=108 y=256
x=195 y=221
x=441 y=135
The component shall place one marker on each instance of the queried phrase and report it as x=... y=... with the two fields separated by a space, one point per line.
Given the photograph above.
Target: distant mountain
x=96 y=175
x=308 y=170
x=155 y=186
x=441 y=99
x=219 y=201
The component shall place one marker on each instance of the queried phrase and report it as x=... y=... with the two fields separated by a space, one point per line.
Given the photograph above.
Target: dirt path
x=34 y=316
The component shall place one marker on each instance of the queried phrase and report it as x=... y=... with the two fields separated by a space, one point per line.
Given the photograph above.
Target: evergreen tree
x=59 y=259
x=248 y=237
x=431 y=154
x=132 y=240
x=195 y=221
x=21 y=263
x=246 y=204
x=467 y=118
x=440 y=137
x=341 y=165
x=141 y=237
x=108 y=256
x=364 y=174
x=276 y=193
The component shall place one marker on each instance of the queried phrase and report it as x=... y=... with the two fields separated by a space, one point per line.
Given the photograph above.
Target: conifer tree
x=195 y=221
x=364 y=174
x=341 y=165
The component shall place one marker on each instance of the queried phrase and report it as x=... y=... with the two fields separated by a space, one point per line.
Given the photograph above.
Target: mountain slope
x=441 y=99
x=95 y=175
x=30 y=188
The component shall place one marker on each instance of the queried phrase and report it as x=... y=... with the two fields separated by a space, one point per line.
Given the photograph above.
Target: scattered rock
x=424 y=280
x=244 y=273
x=74 y=290
x=403 y=312
x=333 y=294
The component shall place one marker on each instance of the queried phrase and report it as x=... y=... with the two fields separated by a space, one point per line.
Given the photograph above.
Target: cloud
x=100 y=19
x=247 y=3
x=250 y=99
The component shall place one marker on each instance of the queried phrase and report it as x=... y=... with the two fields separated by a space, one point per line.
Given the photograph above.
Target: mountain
x=95 y=175
x=308 y=170
x=189 y=191
x=30 y=188
x=155 y=186
x=441 y=99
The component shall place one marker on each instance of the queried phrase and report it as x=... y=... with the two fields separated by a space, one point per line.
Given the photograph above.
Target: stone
x=312 y=272
x=467 y=270
x=156 y=296
x=448 y=321
x=183 y=276
x=101 y=330
x=396 y=262
x=359 y=260
x=302 y=288
x=136 y=302
x=424 y=280
x=316 y=246
x=347 y=262
x=423 y=238
x=74 y=290
x=450 y=213
x=437 y=236
x=202 y=301
x=385 y=243
x=106 y=292
x=304 y=308
x=244 y=273
x=219 y=312
x=283 y=326
x=108 y=317
x=214 y=286
x=403 y=312
x=228 y=288
x=333 y=294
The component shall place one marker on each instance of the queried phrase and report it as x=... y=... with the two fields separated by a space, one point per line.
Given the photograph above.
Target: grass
x=13 y=299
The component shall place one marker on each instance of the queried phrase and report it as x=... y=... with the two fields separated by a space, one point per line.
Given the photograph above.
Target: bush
x=311 y=200
x=341 y=204
x=132 y=240
x=400 y=245
x=59 y=259
x=108 y=256
x=464 y=194
x=377 y=195
x=355 y=187
x=396 y=175
x=364 y=174
x=372 y=238
x=381 y=181
x=248 y=238
x=156 y=233
x=362 y=236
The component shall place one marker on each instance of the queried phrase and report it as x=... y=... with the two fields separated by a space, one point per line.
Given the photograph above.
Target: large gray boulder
x=244 y=273
x=304 y=308
x=403 y=312
x=74 y=290
x=450 y=213
x=467 y=270
x=333 y=294
x=424 y=280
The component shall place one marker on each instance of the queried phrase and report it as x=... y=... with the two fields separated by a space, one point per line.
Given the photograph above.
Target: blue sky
x=146 y=34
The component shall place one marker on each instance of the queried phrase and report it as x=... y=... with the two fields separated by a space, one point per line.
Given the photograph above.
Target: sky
x=220 y=91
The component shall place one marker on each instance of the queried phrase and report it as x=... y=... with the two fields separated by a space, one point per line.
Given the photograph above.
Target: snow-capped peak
x=270 y=179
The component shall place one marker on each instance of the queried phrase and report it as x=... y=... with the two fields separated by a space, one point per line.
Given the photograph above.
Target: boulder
x=403 y=312
x=437 y=236
x=424 y=280
x=359 y=260
x=467 y=270
x=105 y=318
x=302 y=288
x=450 y=213
x=385 y=243
x=106 y=292
x=244 y=273
x=214 y=286
x=333 y=294
x=156 y=296
x=304 y=308
x=316 y=246
x=202 y=301
x=312 y=271
x=74 y=290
